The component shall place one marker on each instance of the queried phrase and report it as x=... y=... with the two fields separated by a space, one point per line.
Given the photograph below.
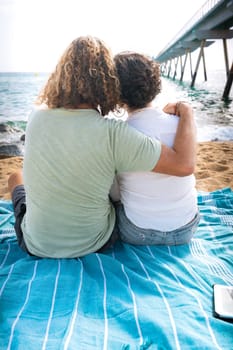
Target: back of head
x=139 y=77
x=85 y=74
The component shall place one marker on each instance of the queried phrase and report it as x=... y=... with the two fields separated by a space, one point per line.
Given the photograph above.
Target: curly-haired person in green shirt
x=72 y=153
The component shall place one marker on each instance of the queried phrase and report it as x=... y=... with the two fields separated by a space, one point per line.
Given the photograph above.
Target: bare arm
x=181 y=158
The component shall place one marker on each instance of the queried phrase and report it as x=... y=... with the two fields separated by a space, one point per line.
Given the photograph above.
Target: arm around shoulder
x=180 y=160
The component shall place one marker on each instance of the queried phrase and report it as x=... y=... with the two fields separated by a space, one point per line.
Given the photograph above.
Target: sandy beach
x=214 y=168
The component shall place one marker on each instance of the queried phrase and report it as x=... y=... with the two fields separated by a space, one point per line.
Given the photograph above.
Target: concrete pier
x=213 y=21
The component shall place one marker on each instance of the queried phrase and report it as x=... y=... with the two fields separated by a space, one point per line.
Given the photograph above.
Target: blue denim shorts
x=133 y=234
x=19 y=205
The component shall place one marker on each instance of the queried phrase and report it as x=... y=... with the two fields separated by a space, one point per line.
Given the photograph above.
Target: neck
x=131 y=110
x=84 y=106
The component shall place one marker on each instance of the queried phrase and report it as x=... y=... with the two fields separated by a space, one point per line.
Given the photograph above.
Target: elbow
x=187 y=169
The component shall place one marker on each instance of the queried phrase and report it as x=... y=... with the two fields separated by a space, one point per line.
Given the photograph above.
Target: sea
x=214 y=117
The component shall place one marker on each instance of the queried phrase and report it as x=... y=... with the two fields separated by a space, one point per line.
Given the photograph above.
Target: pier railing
x=208 y=5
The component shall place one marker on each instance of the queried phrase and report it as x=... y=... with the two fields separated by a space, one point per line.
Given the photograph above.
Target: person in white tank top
x=152 y=208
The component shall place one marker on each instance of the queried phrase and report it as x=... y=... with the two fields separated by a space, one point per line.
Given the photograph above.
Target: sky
x=35 y=33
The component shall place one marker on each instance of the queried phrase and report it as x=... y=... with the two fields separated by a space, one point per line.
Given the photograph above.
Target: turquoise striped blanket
x=126 y=298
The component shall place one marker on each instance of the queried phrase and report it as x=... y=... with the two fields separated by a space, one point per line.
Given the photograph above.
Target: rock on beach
x=11 y=141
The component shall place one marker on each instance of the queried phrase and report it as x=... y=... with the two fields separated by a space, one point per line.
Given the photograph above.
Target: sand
x=214 y=168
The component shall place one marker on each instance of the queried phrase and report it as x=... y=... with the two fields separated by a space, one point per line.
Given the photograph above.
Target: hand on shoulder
x=177 y=108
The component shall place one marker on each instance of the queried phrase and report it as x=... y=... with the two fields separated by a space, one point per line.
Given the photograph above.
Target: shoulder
x=169 y=118
x=38 y=110
x=164 y=121
x=123 y=130
x=118 y=125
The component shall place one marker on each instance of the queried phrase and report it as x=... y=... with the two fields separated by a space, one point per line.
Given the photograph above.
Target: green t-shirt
x=71 y=158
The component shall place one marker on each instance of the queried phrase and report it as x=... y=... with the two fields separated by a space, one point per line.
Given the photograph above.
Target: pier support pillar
x=165 y=68
x=176 y=63
x=169 y=69
x=226 y=56
x=204 y=65
x=183 y=67
x=198 y=62
x=228 y=84
x=190 y=63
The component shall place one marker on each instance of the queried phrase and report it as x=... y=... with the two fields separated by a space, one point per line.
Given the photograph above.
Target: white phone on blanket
x=223 y=301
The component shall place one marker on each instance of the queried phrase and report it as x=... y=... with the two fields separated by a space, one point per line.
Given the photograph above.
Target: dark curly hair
x=85 y=74
x=139 y=77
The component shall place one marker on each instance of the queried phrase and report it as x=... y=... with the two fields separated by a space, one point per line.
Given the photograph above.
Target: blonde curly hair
x=85 y=74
